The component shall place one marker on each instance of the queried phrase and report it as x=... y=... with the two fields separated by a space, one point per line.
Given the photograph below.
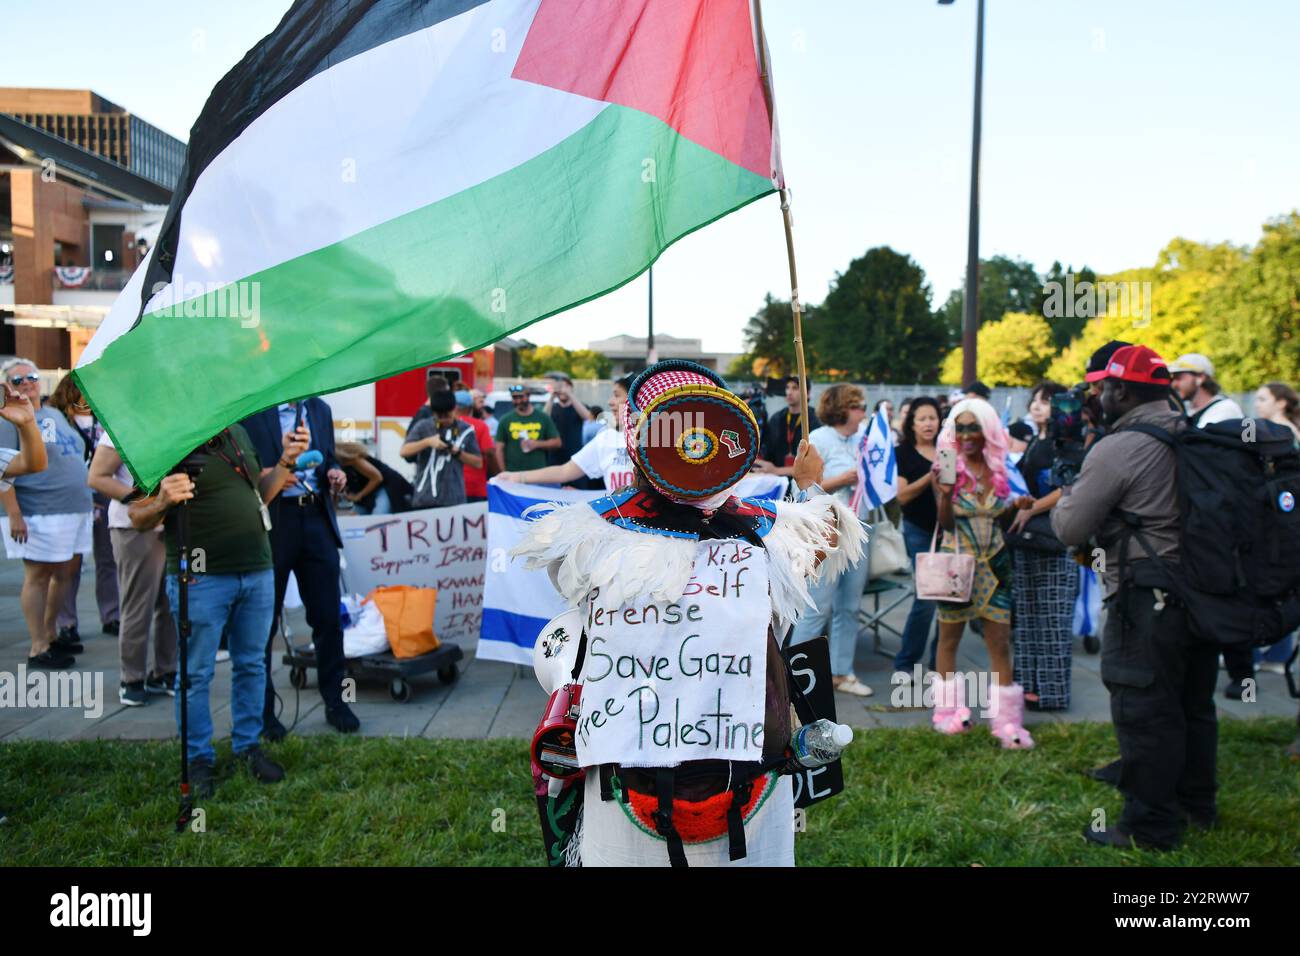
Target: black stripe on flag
x=312 y=37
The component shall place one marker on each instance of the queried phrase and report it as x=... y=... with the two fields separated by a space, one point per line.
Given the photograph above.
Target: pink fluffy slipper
x=951 y=715
x=1008 y=724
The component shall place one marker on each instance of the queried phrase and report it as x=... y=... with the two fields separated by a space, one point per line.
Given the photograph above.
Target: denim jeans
x=921 y=617
x=242 y=605
x=838 y=601
x=380 y=505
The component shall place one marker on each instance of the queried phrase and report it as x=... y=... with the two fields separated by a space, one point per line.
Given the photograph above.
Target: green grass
x=912 y=798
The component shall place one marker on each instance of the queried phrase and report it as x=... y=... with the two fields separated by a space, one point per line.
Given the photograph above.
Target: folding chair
x=894 y=591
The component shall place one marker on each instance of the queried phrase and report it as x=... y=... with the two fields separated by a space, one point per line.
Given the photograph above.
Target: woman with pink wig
x=970 y=513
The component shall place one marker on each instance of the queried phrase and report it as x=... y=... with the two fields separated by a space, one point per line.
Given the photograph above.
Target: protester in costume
x=660 y=786
x=970 y=513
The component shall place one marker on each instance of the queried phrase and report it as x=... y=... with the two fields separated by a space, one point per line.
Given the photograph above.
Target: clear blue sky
x=1110 y=126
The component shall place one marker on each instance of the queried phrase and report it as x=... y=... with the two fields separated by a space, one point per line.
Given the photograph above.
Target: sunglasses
x=972 y=429
x=24 y=378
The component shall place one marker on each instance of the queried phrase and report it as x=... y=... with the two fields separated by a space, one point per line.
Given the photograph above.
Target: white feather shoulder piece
x=801 y=530
x=582 y=551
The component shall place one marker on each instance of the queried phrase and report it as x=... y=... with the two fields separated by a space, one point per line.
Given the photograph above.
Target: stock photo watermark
x=213 y=300
x=74 y=690
x=1084 y=299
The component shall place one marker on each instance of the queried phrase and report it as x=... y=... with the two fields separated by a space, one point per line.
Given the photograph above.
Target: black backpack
x=1239 y=561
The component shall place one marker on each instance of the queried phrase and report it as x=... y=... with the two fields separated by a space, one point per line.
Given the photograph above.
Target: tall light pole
x=971 y=312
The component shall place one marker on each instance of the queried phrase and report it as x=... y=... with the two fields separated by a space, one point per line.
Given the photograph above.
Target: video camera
x=1065 y=428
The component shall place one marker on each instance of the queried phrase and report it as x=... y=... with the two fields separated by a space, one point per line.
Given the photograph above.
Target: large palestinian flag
x=381 y=184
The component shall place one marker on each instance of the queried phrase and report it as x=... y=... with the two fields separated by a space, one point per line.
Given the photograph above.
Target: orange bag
x=408 y=618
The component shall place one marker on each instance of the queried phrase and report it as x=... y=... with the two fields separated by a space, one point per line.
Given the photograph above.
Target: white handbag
x=888 y=550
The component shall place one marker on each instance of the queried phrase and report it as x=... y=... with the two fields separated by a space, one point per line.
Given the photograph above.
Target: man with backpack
x=1193 y=378
x=1160 y=676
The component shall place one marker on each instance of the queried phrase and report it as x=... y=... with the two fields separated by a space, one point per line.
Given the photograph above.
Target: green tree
x=585 y=363
x=876 y=323
x=769 y=338
x=1166 y=310
x=1253 y=316
x=538 y=361
x=1006 y=285
x=741 y=367
x=1012 y=351
x=1066 y=325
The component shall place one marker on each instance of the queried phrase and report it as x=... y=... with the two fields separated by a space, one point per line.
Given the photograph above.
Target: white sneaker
x=1271 y=667
x=851 y=685
x=223 y=655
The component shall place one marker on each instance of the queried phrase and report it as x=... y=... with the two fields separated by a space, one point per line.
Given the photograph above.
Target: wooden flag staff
x=795 y=306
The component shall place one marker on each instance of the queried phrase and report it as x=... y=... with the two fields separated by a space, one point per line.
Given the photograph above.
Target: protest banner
x=676 y=681
x=443 y=548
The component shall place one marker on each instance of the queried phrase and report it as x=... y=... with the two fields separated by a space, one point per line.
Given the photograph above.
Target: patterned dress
x=975 y=520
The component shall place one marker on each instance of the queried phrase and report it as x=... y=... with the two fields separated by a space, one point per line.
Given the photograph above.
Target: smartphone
x=947 y=466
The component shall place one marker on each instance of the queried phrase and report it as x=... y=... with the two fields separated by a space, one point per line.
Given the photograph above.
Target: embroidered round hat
x=689 y=435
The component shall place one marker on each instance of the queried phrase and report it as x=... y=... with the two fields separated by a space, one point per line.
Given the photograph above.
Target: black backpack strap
x=740 y=795
x=664 y=778
x=582 y=656
x=1155 y=431
x=606 y=782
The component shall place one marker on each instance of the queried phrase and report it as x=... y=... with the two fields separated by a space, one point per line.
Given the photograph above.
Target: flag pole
x=795 y=306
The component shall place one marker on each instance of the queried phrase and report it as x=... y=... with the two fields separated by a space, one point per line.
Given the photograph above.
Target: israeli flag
x=877 y=466
x=1015 y=479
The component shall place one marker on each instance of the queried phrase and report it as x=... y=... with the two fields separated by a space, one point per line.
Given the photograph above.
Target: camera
x=1065 y=428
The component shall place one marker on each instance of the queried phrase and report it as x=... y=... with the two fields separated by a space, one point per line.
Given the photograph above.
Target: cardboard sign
x=443 y=548
x=668 y=683
x=810 y=667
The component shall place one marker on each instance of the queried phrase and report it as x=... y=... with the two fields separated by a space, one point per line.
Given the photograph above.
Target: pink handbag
x=944 y=577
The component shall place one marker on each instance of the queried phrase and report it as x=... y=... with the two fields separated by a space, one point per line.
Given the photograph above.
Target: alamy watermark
x=83 y=690
x=918 y=689
x=213 y=300
x=1085 y=299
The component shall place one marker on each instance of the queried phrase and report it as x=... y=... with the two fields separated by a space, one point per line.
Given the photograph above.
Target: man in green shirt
x=524 y=435
x=231 y=586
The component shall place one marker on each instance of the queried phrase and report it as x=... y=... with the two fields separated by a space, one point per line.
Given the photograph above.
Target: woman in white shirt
x=605 y=456
x=842 y=409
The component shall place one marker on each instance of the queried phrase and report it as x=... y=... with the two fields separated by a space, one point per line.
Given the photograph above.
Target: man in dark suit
x=305 y=539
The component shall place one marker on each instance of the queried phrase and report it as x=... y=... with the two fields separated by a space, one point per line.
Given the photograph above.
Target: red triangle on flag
x=691 y=63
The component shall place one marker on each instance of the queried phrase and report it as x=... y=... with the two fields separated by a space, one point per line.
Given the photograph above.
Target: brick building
x=77 y=212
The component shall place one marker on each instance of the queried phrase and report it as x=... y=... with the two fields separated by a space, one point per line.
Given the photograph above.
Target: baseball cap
x=463 y=398
x=1020 y=431
x=1101 y=358
x=1192 y=362
x=1137 y=363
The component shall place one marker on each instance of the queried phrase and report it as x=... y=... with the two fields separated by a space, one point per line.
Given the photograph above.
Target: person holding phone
x=47 y=520
x=974 y=499
x=916 y=456
x=305 y=542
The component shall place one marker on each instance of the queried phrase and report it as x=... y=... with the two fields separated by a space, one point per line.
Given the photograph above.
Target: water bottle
x=820 y=742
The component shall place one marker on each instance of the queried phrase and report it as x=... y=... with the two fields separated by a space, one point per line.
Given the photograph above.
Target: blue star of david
x=876 y=456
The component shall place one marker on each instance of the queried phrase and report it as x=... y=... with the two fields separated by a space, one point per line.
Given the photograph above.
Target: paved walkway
x=489 y=700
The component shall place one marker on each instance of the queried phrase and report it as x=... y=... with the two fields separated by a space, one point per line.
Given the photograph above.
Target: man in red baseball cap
x=1161 y=679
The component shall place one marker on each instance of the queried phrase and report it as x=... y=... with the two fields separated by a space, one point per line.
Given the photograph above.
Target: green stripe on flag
x=570 y=225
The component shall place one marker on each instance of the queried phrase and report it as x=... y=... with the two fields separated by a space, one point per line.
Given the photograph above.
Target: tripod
x=190 y=466
x=183 y=632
